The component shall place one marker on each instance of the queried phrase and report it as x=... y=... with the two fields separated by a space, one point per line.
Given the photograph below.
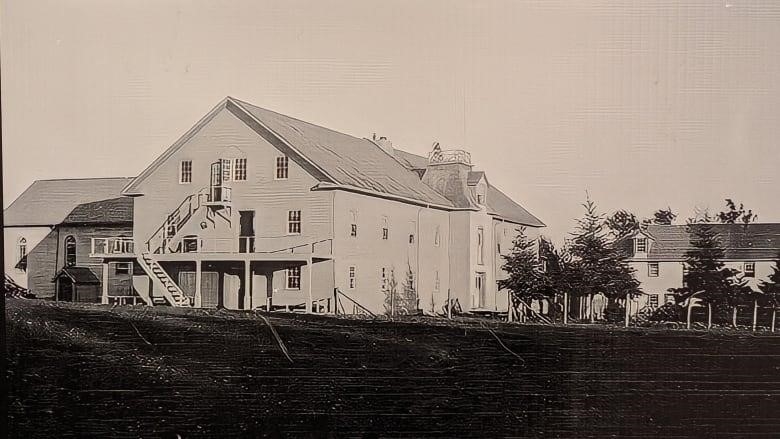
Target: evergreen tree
x=598 y=266
x=525 y=280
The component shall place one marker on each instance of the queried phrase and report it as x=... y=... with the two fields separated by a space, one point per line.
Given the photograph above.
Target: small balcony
x=115 y=247
x=219 y=196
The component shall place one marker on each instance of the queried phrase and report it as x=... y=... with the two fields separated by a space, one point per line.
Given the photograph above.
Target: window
x=21 y=262
x=436 y=282
x=653 y=301
x=685 y=271
x=70 y=251
x=641 y=245
x=480 y=196
x=294 y=222
x=383 y=279
x=282 y=168
x=239 y=170
x=543 y=266
x=293 y=278
x=652 y=269
x=351 y=278
x=480 y=245
x=750 y=269
x=353 y=224
x=436 y=237
x=122 y=268
x=412 y=230
x=226 y=169
x=185 y=171
x=385 y=229
x=669 y=298
x=22 y=246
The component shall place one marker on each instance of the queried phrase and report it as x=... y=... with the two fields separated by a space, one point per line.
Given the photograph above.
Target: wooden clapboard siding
x=225 y=136
x=48 y=257
x=368 y=252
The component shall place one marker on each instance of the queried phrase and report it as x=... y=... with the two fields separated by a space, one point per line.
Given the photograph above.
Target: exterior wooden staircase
x=160 y=279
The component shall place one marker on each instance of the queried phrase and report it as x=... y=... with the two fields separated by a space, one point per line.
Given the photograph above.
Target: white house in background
x=657 y=254
x=40 y=208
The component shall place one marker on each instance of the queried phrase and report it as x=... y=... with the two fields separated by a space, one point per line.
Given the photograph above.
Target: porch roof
x=79 y=275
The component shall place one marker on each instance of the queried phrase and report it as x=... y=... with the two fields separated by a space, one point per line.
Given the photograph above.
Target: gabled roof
x=112 y=211
x=504 y=207
x=757 y=241
x=79 y=275
x=498 y=203
x=47 y=202
x=330 y=156
x=474 y=177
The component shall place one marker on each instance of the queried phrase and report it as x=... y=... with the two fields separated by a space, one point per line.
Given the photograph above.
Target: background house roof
x=48 y=202
x=753 y=242
x=346 y=159
x=112 y=211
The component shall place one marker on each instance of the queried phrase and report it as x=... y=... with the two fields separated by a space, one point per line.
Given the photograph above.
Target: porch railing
x=112 y=246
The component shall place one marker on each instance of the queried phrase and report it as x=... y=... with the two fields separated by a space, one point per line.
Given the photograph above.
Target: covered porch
x=288 y=281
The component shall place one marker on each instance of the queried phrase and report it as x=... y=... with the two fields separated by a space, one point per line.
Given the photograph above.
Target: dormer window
x=481 y=195
x=640 y=245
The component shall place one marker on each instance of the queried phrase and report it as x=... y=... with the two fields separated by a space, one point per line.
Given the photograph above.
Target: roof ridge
x=296 y=119
x=83 y=178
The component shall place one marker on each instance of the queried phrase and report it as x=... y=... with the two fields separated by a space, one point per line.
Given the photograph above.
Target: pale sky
x=645 y=104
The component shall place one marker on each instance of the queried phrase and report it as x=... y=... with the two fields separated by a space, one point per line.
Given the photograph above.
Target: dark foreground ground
x=90 y=371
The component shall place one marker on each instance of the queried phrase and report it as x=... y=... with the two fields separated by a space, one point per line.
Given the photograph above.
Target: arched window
x=22 y=246
x=70 y=251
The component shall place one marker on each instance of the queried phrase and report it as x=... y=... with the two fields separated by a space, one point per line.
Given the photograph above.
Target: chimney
x=386 y=145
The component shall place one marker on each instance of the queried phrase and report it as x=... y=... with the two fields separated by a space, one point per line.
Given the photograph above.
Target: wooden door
x=215 y=190
x=187 y=283
x=246 y=233
x=481 y=298
x=209 y=289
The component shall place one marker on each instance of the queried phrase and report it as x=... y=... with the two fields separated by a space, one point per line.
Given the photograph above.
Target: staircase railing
x=357 y=308
x=175 y=220
x=165 y=284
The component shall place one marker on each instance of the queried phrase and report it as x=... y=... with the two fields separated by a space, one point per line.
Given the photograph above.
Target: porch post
x=309 y=304
x=247 y=285
x=104 y=298
x=198 y=279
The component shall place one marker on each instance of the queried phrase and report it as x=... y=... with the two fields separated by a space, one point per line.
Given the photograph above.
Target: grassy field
x=92 y=371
